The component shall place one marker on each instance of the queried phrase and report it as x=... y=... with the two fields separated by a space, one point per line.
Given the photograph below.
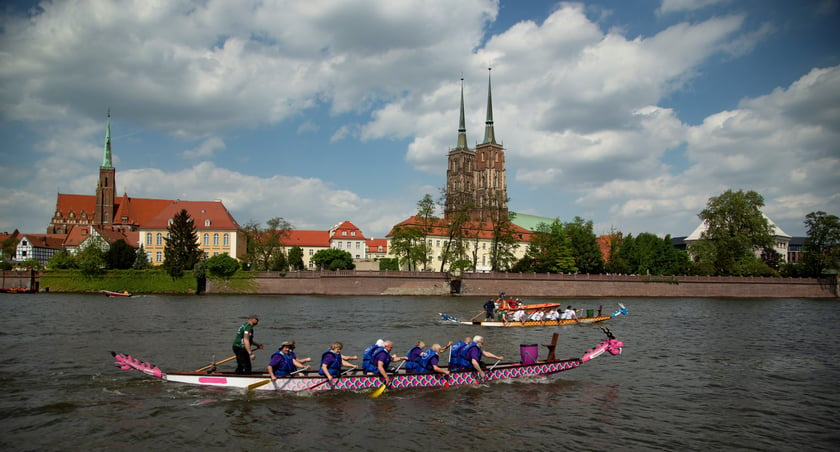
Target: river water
x=696 y=374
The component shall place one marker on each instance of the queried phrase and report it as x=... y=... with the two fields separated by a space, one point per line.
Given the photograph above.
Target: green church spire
x=106 y=158
x=462 y=128
x=489 y=135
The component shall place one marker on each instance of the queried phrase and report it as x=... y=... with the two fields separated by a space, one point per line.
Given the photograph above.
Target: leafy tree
x=62 y=260
x=648 y=254
x=426 y=221
x=822 y=245
x=121 y=255
x=585 y=249
x=296 y=258
x=221 y=266
x=264 y=245
x=91 y=261
x=409 y=245
x=504 y=239
x=141 y=259
x=182 y=250
x=390 y=264
x=551 y=250
x=333 y=259
x=736 y=228
x=278 y=262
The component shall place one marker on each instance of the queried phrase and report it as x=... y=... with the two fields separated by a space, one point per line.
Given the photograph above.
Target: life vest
x=424 y=362
x=455 y=361
x=286 y=365
x=371 y=365
x=464 y=357
x=412 y=363
x=335 y=367
x=367 y=356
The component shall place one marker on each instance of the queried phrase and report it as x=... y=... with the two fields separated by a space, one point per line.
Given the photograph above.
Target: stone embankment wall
x=371 y=283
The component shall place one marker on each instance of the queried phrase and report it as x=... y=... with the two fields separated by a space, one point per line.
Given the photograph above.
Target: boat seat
x=551 y=347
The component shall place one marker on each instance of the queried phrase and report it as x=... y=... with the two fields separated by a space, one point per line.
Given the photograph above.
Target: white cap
x=380 y=343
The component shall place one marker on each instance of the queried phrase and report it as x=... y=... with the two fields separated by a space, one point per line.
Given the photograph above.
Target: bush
x=221 y=266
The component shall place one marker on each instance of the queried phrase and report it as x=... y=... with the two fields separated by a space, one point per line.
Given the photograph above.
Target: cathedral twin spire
x=489 y=134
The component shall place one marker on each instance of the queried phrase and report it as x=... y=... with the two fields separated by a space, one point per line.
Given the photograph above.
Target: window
x=358 y=245
x=158 y=256
x=207 y=223
x=226 y=240
x=438 y=244
x=349 y=245
x=216 y=239
x=339 y=245
x=484 y=245
x=344 y=233
x=430 y=243
x=206 y=239
x=353 y=233
x=311 y=251
x=169 y=223
x=159 y=239
x=380 y=249
x=148 y=238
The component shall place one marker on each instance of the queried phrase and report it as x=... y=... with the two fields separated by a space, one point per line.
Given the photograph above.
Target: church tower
x=490 y=181
x=459 y=172
x=475 y=179
x=103 y=215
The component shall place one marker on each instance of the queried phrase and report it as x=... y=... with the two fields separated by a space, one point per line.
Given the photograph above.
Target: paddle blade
x=378 y=392
x=253 y=386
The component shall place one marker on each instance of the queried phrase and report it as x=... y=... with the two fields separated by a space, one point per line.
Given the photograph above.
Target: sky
x=627 y=114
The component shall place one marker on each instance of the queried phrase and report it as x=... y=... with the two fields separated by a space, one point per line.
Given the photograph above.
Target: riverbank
x=359 y=283
x=384 y=283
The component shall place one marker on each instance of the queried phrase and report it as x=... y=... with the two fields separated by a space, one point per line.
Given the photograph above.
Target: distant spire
x=489 y=136
x=106 y=158
x=462 y=128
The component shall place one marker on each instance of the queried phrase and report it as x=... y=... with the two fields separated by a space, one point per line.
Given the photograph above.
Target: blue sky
x=629 y=114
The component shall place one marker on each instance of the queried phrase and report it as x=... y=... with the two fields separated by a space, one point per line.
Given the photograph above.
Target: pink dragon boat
x=311 y=381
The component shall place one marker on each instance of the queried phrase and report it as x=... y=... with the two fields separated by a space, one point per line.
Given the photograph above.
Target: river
x=696 y=374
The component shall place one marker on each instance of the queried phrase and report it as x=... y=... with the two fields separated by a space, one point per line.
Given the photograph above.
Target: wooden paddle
x=253 y=386
x=216 y=363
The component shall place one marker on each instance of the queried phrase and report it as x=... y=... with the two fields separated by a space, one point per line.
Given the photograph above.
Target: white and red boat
x=109 y=293
x=527 y=320
x=311 y=381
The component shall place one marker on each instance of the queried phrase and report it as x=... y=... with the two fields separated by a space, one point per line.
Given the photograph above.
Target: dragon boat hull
x=315 y=382
x=311 y=381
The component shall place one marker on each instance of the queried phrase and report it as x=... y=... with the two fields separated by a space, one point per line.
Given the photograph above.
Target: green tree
x=551 y=250
x=736 y=229
x=181 y=251
x=504 y=236
x=426 y=221
x=91 y=261
x=296 y=258
x=822 y=245
x=389 y=264
x=221 y=266
x=585 y=249
x=264 y=244
x=62 y=260
x=141 y=259
x=333 y=259
x=409 y=245
x=121 y=255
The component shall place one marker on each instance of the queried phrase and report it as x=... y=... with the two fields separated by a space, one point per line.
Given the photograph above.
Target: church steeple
x=462 y=128
x=489 y=135
x=106 y=158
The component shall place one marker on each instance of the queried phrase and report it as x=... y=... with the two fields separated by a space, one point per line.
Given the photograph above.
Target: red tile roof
x=49 y=241
x=485 y=231
x=308 y=238
x=374 y=244
x=347 y=226
x=199 y=212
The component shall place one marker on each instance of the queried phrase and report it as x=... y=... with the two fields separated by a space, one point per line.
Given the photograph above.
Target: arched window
x=216 y=239
x=206 y=239
x=226 y=240
x=159 y=239
x=148 y=238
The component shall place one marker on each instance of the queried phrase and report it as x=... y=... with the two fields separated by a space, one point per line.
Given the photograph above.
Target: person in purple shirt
x=473 y=353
